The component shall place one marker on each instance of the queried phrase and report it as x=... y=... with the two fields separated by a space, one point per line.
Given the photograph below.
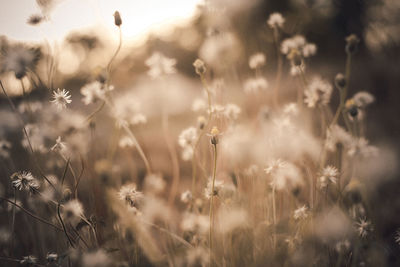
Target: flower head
x=186 y=197
x=318 y=93
x=29 y=260
x=364 y=227
x=218 y=186
x=61 y=98
x=255 y=85
x=257 y=60
x=199 y=66
x=117 y=19
x=160 y=65
x=72 y=211
x=276 y=20
x=130 y=195
x=301 y=213
x=328 y=175
x=24 y=181
x=94 y=91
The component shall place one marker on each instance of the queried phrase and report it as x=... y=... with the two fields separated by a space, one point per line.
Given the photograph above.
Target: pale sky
x=138 y=16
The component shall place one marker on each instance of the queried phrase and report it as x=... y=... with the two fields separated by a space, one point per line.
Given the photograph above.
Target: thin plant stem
x=302 y=88
x=13 y=221
x=211 y=203
x=194 y=165
x=279 y=71
x=63 y=226
x=26 y=135
x=116 y=51
x=343 y=93
x=174 y=158
x=274 y=217
x=134 y=140
x=31 y=214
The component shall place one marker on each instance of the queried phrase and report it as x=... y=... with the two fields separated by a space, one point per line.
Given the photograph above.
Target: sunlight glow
x=139 y=17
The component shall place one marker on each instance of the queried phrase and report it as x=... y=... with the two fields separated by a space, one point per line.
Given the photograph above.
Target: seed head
x=352 y=44
x=352 y=108
x=201 y=122
x=117 y=19
x=295 y=57
x=340 y=81
x=199 y=66
x=214 y=135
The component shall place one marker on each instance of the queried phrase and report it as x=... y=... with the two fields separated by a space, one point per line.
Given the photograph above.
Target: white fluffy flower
x=218 y=186
x=317 y=93
x=363 y=99
x=276 y=20
x=257 y=60
x=24 y=181
x=72 y=211
x=92 y=92
x=255 y=85
x=328 y=175
x=187 y=140
x=160 y=65
x=130 y=195
x=301 y=213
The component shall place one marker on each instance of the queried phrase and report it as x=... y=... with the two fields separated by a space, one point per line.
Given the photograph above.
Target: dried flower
x=301 y=213
x=317 y=93
x=160 y=65
x=199 y=66
x=186 y=197
x=117 y=19
x=29 y=260
x=328 y=175
x=276 y=20
x=351 y=44
x=256 y=61
x=187 y=140
x=340 y=81
x=61 y=98
x=72 y=211
x=24 y=181
x=214 y=135
x=218 y=186
x=363 y=99
x=94 y=91
x=130 y=195
x=364 y=227
x=255 y=85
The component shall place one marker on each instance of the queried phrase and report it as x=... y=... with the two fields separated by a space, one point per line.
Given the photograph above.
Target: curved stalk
x=211 y=204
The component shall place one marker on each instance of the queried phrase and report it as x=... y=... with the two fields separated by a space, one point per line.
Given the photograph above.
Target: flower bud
x=201 y=122
x=214 y=135
x=199 y=66
x=117 y=19
x=295 y=57
x=340 y=81
x=351 y=43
